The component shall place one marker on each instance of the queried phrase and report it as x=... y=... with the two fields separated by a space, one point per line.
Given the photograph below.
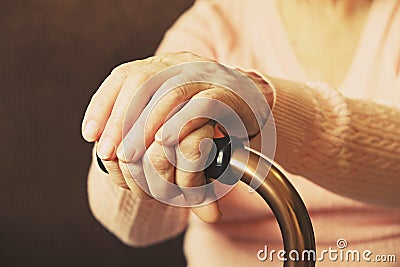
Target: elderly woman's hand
x=145 y=108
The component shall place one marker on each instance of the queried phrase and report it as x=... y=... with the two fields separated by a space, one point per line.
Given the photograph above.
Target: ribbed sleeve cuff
x=293 y=110
x=149 y=222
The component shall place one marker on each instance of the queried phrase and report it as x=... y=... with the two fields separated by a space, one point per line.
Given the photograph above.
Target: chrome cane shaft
x=283 y=199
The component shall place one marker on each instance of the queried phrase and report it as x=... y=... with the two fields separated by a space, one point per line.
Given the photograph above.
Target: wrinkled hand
x=145 y=108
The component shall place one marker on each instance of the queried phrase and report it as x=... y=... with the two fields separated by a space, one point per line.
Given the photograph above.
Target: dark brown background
x=53 y=55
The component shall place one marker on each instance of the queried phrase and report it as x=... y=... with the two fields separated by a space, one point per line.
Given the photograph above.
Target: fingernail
x=120 y=153
x=163 y=137
x=133 y=155
x=157 y=137
x=106 y=149
x=125 y=154
x=90 y=131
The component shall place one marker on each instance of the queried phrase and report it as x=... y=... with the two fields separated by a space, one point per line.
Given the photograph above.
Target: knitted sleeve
x=135 y=221
x=348 y=146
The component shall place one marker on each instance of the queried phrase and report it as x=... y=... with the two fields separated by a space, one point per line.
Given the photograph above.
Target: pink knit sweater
x=341 y=147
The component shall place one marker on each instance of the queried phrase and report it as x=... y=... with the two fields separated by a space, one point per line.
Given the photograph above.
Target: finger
x=209 y=213
x=135 y=179
x=112 y=134
x=138 y=89
x=218 y=104
x=100 y=107
x=158 y=166
x=170 y=97
x=134 y=95
x=115 y=173
x=192 y=154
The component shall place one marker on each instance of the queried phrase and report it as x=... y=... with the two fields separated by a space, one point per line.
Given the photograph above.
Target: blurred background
x=53 y=56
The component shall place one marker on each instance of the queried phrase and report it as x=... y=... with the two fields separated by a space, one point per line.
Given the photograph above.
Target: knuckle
x=159 y=162
x=182 y=90
x=189 y=148
x=179 y=91
x=189 y=56
x=208 y=102
x=191 y=154
x=121 y=70
x=230 y=94
x=133 y=66
x=211 y=94
x=180 y=56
